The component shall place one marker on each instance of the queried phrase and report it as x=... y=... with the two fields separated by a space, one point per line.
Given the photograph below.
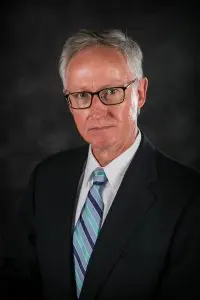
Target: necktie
x=87 y=227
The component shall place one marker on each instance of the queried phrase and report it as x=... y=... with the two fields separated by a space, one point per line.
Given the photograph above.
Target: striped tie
x=87 y=227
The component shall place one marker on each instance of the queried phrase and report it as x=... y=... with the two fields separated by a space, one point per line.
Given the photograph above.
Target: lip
x=100 y=128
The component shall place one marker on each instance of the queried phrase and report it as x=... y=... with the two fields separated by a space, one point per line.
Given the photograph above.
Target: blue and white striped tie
x=87 y=227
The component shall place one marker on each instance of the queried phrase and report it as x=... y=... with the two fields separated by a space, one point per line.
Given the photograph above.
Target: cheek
x=80 y=118
x=125 y=114
x=119 y=113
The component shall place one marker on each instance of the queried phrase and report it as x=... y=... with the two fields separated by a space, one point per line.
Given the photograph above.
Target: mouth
x=100 y=128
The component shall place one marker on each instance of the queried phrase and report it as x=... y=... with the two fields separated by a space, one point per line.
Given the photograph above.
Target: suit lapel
x=132 y=201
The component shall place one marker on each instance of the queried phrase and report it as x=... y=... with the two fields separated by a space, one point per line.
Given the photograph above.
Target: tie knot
x=99 y=176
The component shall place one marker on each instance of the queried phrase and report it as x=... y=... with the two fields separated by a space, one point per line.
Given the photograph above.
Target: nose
x=97 y=105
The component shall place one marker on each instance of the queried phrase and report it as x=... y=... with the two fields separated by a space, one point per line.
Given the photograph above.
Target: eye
x=81 y=95
x=111 y=91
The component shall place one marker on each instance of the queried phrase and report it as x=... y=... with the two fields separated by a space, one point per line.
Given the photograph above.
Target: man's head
x=91 y=62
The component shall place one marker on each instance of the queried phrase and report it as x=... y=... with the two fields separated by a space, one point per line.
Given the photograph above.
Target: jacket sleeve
x=181 y=277
x=19 y=274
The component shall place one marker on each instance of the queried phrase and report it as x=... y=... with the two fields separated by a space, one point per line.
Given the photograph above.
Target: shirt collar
x=120 y=163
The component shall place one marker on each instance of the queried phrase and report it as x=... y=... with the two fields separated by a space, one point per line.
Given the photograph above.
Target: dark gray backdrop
x=34 y=120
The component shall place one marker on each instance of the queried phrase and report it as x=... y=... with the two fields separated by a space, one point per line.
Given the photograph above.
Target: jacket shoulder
x=62 y=160
x=177 y=174
x=173 y=165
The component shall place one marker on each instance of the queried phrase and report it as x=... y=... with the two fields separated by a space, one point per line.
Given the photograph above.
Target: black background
x=34 y=119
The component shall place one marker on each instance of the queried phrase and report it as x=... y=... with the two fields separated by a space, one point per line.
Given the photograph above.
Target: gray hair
x=109 y=38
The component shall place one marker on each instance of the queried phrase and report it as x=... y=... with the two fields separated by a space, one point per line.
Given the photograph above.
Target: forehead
x=98 y=64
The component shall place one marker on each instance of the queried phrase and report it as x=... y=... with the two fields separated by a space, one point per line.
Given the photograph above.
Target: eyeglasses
x=108 y=96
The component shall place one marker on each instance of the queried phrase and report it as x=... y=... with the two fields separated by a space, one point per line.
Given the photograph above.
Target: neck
x=106 y=155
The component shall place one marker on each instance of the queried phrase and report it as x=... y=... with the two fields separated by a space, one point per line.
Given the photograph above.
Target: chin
x=102 y=143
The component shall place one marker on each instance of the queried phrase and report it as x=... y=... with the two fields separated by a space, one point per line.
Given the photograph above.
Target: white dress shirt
x=114 y=171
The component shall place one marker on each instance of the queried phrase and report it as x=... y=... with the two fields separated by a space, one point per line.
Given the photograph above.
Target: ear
x=142 y=91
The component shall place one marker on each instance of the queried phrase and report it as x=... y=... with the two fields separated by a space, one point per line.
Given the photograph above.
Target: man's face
x=102 y=126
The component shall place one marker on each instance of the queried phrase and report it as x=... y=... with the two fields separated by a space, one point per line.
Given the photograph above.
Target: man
x=116 y=219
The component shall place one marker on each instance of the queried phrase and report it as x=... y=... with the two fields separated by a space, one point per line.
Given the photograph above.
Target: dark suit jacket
x=149 y=245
